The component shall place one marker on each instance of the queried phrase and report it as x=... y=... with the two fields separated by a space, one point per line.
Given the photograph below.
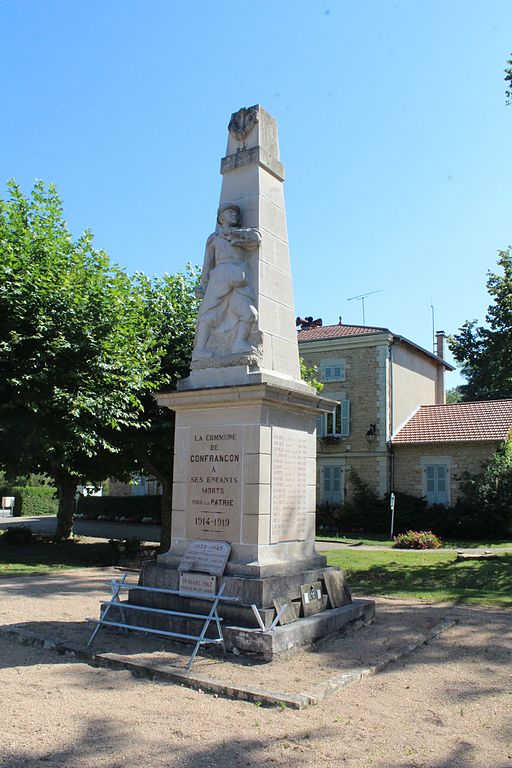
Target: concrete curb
x=200 y=683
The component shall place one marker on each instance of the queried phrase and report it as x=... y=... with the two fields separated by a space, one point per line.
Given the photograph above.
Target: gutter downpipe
x=391 y=419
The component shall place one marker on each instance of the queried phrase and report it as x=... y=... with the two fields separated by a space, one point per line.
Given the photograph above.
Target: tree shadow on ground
x=102 y=744
x=478 y=580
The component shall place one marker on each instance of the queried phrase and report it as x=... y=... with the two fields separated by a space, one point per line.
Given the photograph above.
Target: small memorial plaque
x=198 y=583
x=337 y=589
x=312 y=599
x=289 y=614
x=207 y=556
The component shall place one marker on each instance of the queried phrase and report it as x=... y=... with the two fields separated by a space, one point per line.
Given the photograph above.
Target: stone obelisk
x=245 y=447
x=245 y=442
x=253 y=185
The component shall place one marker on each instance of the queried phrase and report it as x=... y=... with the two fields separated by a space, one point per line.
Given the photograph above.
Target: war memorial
x=245 y=445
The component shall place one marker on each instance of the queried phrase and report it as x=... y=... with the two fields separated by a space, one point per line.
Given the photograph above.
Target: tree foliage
x=309 y=375
x=485 y=352
x=77 y=351
x=453 y=395
x=508 y=80
x=486 y=498
x=170 y=310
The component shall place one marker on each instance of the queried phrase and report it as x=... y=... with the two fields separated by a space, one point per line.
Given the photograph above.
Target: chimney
x=440 y=337
x=440 y=390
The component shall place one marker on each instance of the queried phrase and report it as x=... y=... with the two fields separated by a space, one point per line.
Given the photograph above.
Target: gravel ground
x=449 y=703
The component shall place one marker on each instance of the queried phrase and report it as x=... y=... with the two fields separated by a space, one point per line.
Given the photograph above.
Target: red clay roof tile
x=458 y=422
x=337 y=331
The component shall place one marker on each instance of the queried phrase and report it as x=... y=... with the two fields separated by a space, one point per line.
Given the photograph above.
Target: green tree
x=508 y=80
x=77 y=352
x=170 y=310
x=309 y=375
x=485 y=504
x=453 y=395
x=485 y=353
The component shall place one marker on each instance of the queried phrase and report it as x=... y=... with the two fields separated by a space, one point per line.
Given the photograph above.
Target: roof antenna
x=362 y=297
x=433 y=326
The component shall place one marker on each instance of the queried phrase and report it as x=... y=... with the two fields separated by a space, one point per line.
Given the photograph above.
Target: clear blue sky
x=392 y=120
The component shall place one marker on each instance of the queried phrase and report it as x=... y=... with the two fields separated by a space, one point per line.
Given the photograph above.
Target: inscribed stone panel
x=289 y=485
x=214 y=483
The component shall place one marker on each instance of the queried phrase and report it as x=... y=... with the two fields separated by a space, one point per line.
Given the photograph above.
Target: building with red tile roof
x=457 y=422
x=391 y=424
x=378 y=379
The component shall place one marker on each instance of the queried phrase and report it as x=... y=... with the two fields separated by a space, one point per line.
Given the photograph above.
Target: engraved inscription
x=289 y=485
x=209 y=556
x=197 y=583
x=215 y=483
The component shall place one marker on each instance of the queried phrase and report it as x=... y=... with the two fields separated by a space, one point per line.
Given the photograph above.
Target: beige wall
x=414 y=383
x=462 y=457
x=365 y=387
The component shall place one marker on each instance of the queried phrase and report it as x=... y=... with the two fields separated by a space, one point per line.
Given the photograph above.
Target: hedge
x=132 y=509
x=31 y=501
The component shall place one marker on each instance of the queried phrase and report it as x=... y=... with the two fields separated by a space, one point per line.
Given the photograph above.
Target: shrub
x=485 y=503
x=125 y=550
x=117 y=508
x=363 y=512
x=417 y=540
x=17 y=535
x=31 y=501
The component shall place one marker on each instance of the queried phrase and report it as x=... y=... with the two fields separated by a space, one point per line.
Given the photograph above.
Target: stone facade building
x=392 y=425
x=379 y=380
x=438 y=444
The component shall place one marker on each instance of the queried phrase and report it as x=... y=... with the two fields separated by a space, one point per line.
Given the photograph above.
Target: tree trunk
x=67 y=491
x=165 y=536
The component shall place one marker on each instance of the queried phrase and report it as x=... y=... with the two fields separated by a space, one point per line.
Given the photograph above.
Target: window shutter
x=345 y=417
x=327 y=482
x=320 y=426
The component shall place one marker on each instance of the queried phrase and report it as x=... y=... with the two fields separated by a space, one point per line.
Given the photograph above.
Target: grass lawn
x=380 y=540
x=431 y=575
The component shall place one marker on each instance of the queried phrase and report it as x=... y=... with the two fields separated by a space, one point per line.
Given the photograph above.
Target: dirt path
x=448 y=703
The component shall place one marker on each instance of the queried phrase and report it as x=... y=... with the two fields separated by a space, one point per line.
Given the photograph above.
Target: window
x=332 y=370
x=436 y=476
x=139 y=487
x=335 y=424
x=331 y=485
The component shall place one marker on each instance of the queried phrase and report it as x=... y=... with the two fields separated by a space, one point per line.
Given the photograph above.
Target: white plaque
x=208 y=556
x=201 y=583
x=289 y=485
x=214 y=483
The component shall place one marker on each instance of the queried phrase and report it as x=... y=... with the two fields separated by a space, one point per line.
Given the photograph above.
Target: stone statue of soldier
x=224 y=287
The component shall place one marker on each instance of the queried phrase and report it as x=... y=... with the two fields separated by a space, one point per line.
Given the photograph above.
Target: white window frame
x=435 y=463
x=332 y=481
x=334 y=369
x=327 y=423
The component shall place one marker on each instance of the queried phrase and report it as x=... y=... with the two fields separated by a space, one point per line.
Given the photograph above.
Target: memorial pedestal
x=245 y=472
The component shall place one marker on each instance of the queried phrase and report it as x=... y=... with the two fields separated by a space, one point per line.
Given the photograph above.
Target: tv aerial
x=362 y=297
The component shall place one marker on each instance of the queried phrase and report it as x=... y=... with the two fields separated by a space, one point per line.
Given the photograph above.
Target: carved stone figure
x=227 y=297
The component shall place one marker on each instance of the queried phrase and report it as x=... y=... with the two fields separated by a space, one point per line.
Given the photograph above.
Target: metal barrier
x=199 y=639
